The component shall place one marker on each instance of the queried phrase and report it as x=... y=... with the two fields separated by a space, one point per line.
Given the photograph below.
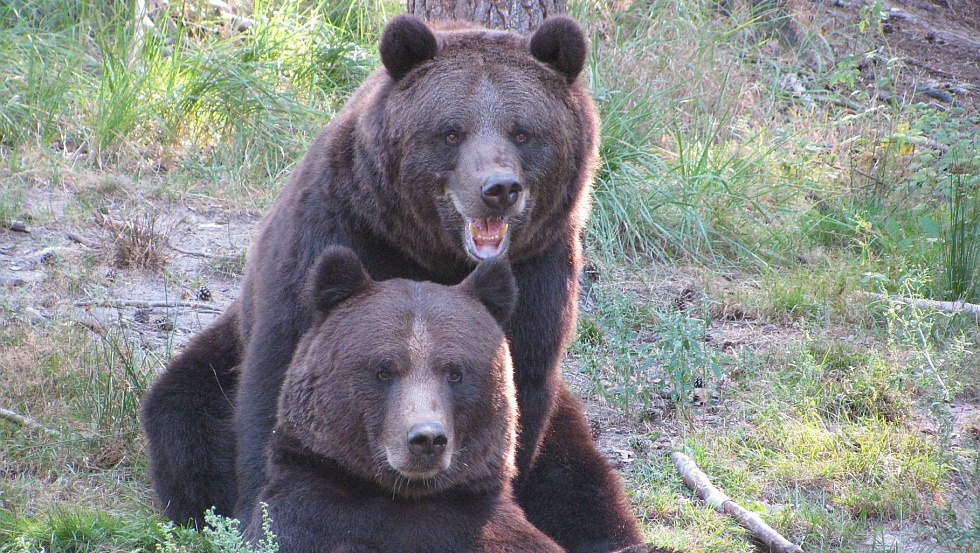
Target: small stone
x=18 y=226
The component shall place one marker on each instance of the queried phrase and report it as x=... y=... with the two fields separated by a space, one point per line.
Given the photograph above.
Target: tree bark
x=517 y=15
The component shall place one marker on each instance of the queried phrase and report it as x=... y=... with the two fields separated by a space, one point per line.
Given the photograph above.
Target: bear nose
x=501 y=191
x=427 y=439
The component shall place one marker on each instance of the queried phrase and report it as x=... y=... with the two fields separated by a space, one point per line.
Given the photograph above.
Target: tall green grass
x=87 y=77
x=683 y=176
x=961 y=241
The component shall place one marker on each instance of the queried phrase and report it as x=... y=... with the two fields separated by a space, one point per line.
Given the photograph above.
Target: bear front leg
x=571 y=493
x=564 y=484
x=539 y=331
x=267 y=356
x=187 y=416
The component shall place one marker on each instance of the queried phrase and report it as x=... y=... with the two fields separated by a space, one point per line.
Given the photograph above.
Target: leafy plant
x=685 y=360
x=634 y=354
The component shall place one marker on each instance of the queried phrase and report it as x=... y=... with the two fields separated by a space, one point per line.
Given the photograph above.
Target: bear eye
x=383 y=374
x=520 y=137
x=452 y=137
x=455 y=375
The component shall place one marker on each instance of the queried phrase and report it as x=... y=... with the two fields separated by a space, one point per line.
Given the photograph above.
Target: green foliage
x=11 y=199
x=85 y=530
x=841 y=383
x=673 y=185
x=634 y=354
x=683 y=356
x=961 y=242
x=85 y=77
x=76 y=530
x=224 y=535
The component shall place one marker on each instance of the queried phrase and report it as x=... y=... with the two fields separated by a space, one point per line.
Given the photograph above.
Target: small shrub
x=139 y=243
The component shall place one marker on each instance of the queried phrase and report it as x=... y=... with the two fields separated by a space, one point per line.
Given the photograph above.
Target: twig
x=944 y=306
x=118 y=304
x=17 y=418
x=189 y=252
x=699 y=483
x=75 y=237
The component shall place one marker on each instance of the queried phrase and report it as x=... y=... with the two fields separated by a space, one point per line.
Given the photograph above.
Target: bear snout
x=501 y=190
x=427 y=440
x=422 y=452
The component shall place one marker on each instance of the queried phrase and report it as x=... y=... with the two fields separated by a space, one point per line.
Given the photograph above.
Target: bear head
x=406 y=384
x=489 y=133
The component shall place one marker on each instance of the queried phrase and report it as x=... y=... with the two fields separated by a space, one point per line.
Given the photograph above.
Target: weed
x=635 y=355
x=686 y=361
x=221 y=535
x=673 y=184
x=75 y=530
x=138 y=243
x=11 y=200
x=229 y=265
x=841 y=383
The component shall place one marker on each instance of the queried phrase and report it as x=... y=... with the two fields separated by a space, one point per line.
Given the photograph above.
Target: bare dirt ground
x=937 y=40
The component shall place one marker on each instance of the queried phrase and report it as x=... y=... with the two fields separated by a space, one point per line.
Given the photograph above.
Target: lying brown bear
x=397 y=419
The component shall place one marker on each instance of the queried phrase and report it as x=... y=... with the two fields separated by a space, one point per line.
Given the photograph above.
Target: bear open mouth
x=486 y=238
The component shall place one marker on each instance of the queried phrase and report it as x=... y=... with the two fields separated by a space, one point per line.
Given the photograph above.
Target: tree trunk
x=518 y=15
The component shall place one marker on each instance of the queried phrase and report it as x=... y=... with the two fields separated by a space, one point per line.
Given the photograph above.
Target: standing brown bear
x=468 y=144
x=397 y=419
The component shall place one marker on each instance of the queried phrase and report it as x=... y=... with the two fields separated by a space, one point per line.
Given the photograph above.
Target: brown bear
x=397 y=419
x=467 y=144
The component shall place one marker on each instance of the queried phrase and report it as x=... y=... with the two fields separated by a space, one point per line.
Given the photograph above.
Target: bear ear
x=560 y=43
x=493 y=284
x=336 y=276
x=406 y=42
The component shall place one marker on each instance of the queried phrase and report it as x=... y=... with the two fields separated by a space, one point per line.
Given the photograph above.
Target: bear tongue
x=488 y=236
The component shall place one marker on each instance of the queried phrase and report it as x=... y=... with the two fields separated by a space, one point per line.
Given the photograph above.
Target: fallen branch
x=190 y=252
x=944 y=306
x=75 y=237
x=142 y=304
x=17 y=418
x=699 y=483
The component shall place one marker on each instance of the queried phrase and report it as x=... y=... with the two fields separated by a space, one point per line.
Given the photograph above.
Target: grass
x=737 y=215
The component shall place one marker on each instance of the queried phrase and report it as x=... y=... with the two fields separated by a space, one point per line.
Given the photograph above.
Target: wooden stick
x=944 y=306
x=190 y=252
x=17 y=418
x=75 y=237
x=119 y=304
x=702 y=486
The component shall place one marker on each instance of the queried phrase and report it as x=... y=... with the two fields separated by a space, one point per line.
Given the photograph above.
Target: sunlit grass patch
x=180 y=85
x=872 y=469
x=74 y=530
x=840 y=382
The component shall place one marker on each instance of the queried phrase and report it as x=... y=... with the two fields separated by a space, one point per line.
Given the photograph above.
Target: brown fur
x=347 y=405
